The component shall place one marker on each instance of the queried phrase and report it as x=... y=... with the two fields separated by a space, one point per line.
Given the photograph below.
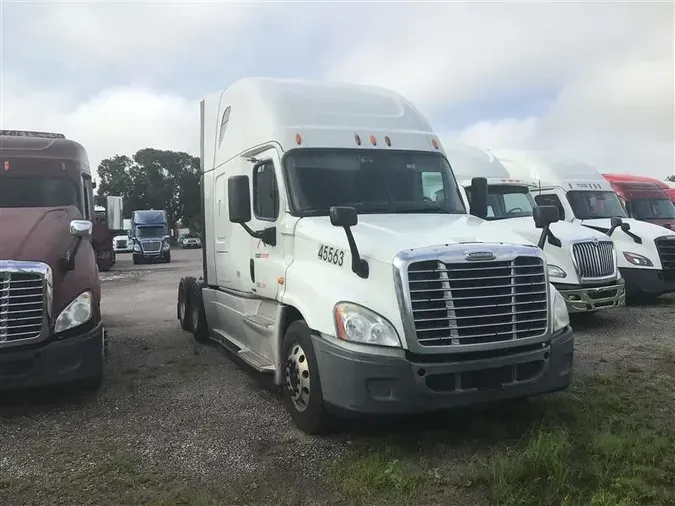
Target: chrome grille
x=594 y=259
x=21 y=306
x=666 y=248
x=151 y=246
x=122 y=244
x=478 y=302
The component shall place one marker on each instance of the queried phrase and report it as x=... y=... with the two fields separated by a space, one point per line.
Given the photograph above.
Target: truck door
x=269 y=207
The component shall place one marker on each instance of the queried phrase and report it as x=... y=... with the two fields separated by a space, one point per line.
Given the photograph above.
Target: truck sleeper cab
x=645 y=252
x=582 y=263
x=150 y=236
x=50 y=317
x=328 y=265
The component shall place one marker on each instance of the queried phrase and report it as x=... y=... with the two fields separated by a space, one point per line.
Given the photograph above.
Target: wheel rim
x=297 y=377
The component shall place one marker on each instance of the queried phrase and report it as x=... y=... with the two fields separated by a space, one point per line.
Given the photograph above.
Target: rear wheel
x=183 y=309
x=301 y=381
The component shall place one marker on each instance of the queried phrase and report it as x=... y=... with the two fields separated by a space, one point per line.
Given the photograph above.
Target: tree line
x=153 y=179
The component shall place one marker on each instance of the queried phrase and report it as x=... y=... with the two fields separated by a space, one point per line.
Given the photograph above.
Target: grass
x=608 y=441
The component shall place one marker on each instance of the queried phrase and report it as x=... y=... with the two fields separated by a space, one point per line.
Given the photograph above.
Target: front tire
x=200 y=329
x=183 y=308
x=301 y=381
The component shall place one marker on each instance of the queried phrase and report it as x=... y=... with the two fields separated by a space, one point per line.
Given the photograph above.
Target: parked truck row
x=346 y=252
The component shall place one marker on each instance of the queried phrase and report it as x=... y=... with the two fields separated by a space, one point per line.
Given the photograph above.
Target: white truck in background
x=327 y=264
x=582 y=262
x=646 y=252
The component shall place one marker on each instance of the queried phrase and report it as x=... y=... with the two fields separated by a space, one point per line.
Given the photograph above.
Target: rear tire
x=199 y=329
x=302 y=383
x=183 y=308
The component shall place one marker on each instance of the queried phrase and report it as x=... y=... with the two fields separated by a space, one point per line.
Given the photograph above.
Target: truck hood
x=382 y=236
x=564 y=231
x=39 y=234
x=42 y=234
x=647 y=231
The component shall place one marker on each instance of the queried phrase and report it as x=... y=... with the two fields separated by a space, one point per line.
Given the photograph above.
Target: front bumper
x=386 y=381
x=649 y=281
x=63 y=361
x=581 y=299
x=152 y=256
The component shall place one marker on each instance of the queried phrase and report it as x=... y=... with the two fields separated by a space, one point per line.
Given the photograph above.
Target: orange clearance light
x=357 y=139
x=280 y=280
x=387 y=140
x=434 y=143
x=6 y=164
x=298 y=139
x=372 y=140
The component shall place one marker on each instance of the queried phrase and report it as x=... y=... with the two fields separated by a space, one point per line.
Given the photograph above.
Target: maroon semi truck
x=50 y=293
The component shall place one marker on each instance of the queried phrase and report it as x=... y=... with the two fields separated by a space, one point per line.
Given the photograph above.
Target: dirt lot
x=181 y=423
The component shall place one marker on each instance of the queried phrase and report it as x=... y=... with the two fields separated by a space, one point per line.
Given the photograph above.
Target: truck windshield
x=645 y=209
x=150 y=231
x=507 y=201
x=371 y=181
x=38 y=192
x=589 y=205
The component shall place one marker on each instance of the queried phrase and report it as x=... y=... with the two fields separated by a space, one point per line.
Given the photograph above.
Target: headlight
x=76 y=313
x=137 y=247
x=165 y=245
x=360 y=325
x=636 y=259
x=561 y=317
x=556 y=272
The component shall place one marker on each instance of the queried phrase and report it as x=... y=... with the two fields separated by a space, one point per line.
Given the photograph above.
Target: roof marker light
x=387 y=140
x=298 y=139
x=357 y=139
x=434 y=143
x=372 y=140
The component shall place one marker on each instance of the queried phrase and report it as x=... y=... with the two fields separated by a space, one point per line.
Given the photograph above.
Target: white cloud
x=115 y=121
x=619 y=119
x=608 y=66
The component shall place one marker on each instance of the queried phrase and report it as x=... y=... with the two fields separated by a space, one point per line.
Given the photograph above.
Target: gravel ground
x=174 y=416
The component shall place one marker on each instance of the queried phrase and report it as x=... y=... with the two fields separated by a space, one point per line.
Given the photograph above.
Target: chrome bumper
x=581 y=299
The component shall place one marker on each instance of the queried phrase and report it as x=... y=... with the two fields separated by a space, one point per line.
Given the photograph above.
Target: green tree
x=153 y=179
x=671 y=178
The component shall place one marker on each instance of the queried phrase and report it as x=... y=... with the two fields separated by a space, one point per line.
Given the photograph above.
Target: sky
x=591 y=80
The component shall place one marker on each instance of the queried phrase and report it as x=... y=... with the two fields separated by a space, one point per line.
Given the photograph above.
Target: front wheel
x=183 y=308
x=301 y=381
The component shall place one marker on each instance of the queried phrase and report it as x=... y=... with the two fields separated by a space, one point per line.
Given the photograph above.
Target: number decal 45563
x=331 y=255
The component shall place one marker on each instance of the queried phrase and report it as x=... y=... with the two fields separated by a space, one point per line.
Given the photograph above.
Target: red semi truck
x=51 y=330
x=644 y=198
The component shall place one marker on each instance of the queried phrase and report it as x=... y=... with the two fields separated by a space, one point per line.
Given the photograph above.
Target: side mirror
x=479 y=195
x=81 y=228
x=93 y=185
x=545 y=215
x=346 y=217
x=615 y=223
x=239 y=199
x=342 y=216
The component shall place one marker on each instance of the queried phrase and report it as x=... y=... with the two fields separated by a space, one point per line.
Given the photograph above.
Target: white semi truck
x=646 y=252
x=327 y=264
x=582 y=262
